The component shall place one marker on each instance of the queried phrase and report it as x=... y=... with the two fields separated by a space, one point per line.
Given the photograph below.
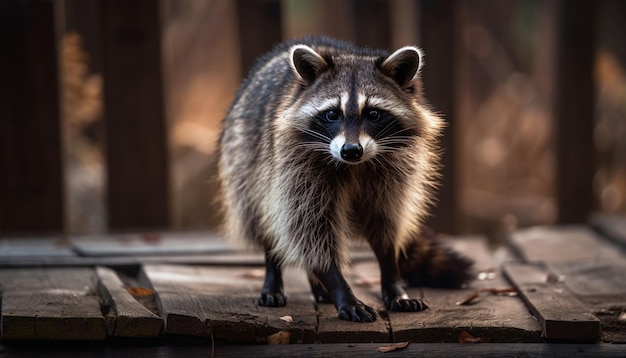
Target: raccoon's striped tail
x=429 y=262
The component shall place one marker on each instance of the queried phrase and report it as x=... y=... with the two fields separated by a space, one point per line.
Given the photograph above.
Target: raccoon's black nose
x=351 y=152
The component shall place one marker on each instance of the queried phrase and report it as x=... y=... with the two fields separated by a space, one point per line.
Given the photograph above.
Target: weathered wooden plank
x=438 y=24
x=137 y=155
x=498 y=350
x=592 y=268
x=220 y=301
x=563 y=244
x=31 y=185
x=235 y=259
x=562 y=315
x=612 y=227
x=496 y=318
x=492 y=350
x=52 y=304
x=130 y=318
x=599 y=284
x=15 y=247
x=183 y=243
x=574 y=110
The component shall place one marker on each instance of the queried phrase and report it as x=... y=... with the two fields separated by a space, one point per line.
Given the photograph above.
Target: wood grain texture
x=613 y=227
x=221 y=302
x=444 y=350
x=130 y=318
x=562 y=315
x=563 y=244
x=592 y=268
x=51 y=304
x=496 y=318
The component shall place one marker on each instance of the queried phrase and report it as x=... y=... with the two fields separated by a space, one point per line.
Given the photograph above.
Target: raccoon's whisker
x=393 y=144
x=317 y=135
x=402 y=130
x=313 y=146
x=384 y=131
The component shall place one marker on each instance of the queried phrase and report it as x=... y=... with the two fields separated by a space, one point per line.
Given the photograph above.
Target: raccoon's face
x=356 y=107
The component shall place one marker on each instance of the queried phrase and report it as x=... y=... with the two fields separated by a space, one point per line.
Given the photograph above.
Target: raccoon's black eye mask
x=369 y=114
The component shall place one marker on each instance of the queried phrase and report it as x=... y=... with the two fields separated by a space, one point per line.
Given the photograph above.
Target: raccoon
x=326 y=142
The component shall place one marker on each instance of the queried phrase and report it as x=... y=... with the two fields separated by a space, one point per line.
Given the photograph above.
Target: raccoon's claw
x=272 y=299
x=399 y=304
x=358 y=312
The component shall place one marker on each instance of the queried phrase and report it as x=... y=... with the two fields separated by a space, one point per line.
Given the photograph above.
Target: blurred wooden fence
x=124 y=38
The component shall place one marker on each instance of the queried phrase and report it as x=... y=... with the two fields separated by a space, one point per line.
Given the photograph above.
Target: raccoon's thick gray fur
x=326 y=142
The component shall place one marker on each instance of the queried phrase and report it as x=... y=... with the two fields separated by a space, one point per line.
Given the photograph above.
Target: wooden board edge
x=533 y=282
x=131 y=320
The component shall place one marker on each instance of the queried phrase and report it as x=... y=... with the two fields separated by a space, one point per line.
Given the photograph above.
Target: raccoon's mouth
x=352 y=152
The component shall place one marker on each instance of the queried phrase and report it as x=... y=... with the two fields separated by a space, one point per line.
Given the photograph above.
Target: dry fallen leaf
x=139 y=291
x=465 y=337
x=393 y=347
x=280 y=337
x=495 y=291
x=467 y=300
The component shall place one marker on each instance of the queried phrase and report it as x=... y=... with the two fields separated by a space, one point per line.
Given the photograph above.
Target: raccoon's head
x=356 y=104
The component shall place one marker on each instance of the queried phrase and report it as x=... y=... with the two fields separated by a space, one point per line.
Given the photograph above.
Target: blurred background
x=110 y=110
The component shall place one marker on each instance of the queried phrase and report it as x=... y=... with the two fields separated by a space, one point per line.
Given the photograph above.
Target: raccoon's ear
x=403 y=66
x=307 y=63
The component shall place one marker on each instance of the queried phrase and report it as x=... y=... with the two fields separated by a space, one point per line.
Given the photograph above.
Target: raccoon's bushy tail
x=429 y=262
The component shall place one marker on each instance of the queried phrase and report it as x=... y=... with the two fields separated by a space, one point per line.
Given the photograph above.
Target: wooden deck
x=554 y=284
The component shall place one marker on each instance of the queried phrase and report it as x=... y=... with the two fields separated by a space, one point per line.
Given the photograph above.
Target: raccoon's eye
x=332 y=115
x=373 y=115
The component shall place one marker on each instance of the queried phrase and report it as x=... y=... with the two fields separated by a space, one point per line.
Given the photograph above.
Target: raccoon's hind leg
x=272 y=294
x=333 y=287
x=394 y=295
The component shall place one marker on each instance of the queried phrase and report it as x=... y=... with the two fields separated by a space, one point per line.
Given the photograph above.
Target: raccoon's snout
x=352 y=152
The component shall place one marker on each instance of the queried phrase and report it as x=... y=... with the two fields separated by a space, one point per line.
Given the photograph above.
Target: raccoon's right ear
x=307 y=63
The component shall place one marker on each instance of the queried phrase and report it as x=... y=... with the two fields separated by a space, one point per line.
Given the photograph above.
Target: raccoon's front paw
x=272 y=299
x=358 y=312
x=399 y=304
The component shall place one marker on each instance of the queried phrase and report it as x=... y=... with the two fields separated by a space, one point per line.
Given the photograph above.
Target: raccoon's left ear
x=403 y=66
x=307 y=63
